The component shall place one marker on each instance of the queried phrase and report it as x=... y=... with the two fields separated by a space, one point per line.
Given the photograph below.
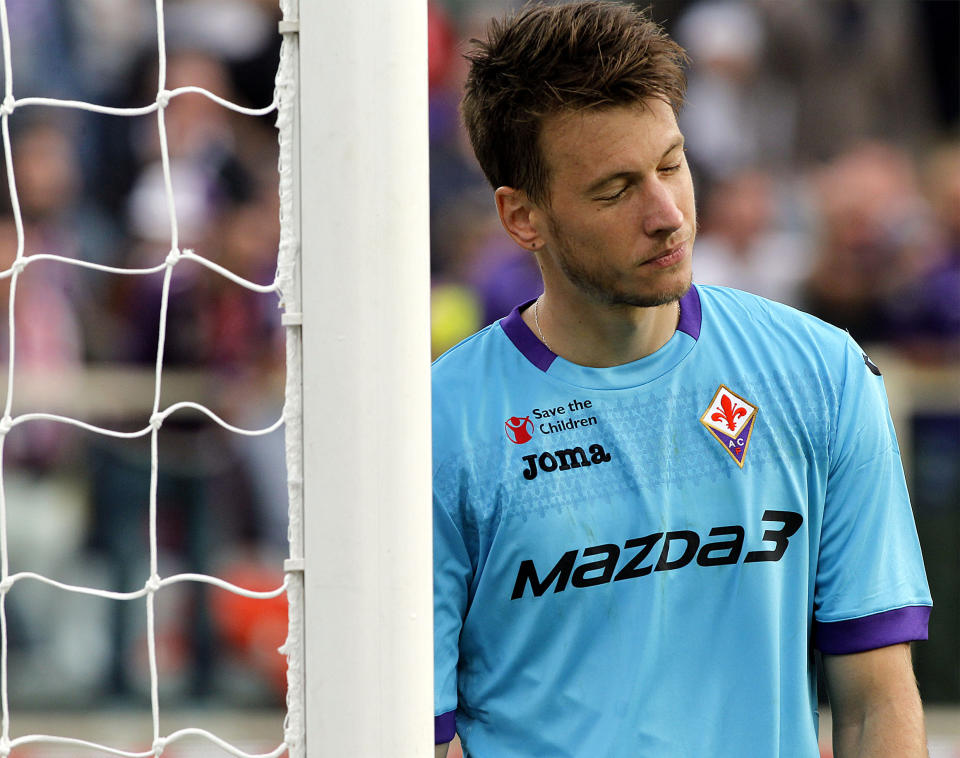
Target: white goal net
x=350 y=107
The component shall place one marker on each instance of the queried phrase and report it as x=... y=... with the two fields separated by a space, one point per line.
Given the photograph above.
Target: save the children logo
x=519 y=429
x=729 y=418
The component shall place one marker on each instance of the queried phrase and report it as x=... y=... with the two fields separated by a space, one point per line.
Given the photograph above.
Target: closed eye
x=670 y=169
x=616 y=195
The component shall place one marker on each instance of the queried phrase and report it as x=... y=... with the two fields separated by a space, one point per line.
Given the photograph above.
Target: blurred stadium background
x=825 y=140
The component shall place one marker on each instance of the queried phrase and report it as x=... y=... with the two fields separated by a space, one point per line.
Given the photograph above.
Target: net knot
x=159 y=744
x=6 y=424
x=163 y=98
x=9 y=103
x=5 y=746
x=18 y=266
x=152 y=584
x=291 y=739
x=5 y=585
x=156 y=421
x=173 y=257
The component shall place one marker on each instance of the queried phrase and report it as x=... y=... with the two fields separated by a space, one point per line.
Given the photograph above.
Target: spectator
x=875 y=238
x=744 y=243
x=925 y=310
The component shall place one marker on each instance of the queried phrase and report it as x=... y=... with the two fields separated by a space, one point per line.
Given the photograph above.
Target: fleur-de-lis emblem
x=731 y=412
x=730 y=419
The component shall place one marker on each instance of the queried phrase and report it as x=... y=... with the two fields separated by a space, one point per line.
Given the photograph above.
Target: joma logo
x=679 y=549
x=563 y=460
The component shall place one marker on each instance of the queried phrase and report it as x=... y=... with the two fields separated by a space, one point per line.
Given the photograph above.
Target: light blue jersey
x=639 y=560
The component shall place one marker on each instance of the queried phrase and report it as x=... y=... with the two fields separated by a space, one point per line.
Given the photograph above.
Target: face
x=621 y=220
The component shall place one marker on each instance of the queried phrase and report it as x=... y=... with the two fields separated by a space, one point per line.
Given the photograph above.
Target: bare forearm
x=894 y=728
x=876 y=705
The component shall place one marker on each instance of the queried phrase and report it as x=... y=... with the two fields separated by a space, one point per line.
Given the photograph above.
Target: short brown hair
x=546 y=59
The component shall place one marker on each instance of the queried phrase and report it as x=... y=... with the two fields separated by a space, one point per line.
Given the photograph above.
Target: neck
x=601 y=335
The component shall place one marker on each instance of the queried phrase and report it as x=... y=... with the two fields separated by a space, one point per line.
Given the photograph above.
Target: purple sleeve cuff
x=870 y=632
x=444 y=727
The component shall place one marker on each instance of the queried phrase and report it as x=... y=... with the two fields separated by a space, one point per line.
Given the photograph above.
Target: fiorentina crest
x=729 y=418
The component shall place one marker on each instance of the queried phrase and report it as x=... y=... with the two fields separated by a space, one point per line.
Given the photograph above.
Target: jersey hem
x=870 y=632
x=444 y=727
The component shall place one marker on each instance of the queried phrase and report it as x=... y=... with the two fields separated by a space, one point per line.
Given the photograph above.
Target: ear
x=517 y=214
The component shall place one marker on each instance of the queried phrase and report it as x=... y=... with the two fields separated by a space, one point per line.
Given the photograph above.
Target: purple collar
x=542 y=357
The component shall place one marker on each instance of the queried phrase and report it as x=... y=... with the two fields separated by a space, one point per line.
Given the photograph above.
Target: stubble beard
x=601 y=285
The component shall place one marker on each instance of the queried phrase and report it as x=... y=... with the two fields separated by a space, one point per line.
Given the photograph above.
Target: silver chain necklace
x=536 y=320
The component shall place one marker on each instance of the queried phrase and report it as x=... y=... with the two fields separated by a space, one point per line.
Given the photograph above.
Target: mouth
x=668 y=257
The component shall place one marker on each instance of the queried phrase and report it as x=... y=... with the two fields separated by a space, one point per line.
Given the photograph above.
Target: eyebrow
x=677 y=143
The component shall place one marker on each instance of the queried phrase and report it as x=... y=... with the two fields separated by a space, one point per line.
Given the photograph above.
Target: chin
x=641 y=290
x=667 y=292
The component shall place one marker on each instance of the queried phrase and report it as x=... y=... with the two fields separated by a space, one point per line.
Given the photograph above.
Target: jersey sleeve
x=871 y=589
x=451 y=582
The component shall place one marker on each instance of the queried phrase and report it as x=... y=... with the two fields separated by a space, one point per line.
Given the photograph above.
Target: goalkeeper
x=653 y=500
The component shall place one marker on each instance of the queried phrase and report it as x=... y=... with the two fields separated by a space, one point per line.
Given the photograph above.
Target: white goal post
x=364 y=234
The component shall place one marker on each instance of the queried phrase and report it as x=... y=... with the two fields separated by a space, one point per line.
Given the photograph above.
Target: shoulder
x=468 y=377
x=464 y=358
x=753 y=322
x=816 y=370
x=726 y=302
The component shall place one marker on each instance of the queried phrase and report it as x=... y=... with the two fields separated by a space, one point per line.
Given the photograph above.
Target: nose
x=662 y=214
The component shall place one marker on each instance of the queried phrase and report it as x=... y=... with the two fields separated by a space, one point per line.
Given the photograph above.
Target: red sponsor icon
x=519 y=430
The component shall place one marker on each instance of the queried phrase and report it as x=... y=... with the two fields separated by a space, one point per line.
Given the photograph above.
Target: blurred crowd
x=91 y=187
x=823 y=135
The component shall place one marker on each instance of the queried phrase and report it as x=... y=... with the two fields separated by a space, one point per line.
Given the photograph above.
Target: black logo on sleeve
x=600 y=564
x=871 y=365
x=563 y=460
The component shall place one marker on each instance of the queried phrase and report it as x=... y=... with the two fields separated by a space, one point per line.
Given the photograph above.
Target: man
x=653 y=500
